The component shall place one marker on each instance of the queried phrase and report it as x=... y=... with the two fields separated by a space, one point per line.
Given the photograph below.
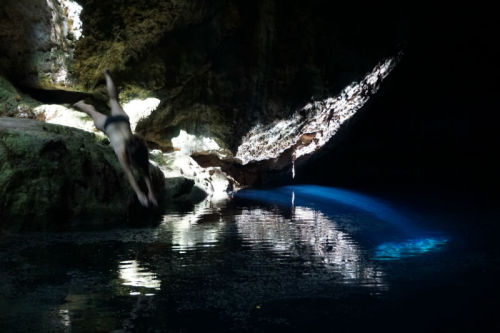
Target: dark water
x=299 y=258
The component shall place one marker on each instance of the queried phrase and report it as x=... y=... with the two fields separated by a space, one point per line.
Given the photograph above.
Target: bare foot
x=80 y=105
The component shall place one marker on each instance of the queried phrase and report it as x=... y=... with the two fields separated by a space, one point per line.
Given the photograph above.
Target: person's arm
x=140 y=195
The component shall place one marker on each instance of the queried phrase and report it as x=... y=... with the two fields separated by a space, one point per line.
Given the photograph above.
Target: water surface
x=288 y=259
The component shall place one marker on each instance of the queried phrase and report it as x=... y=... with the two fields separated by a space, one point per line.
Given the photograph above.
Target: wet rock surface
x=56 y=177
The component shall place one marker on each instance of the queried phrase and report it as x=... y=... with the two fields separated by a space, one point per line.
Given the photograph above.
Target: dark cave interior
x=269 y=259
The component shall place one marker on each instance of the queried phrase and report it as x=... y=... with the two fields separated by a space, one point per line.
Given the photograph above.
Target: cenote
x=248 y=166
x=293 y=258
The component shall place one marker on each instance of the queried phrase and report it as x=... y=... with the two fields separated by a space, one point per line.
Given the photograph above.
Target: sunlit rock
x=61 y=115
x=309 y=128
x=37 y=41
x=211 y=180
x=187 y=144
x=187 y=180
x=138 y=109
x=72 y=11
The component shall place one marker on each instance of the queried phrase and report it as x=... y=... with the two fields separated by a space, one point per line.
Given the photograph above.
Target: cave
x=247 y=166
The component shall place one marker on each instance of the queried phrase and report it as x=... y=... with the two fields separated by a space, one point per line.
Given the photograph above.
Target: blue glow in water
x=329 y=200
x=401 y=238
x=350 y=198
x=408 y=248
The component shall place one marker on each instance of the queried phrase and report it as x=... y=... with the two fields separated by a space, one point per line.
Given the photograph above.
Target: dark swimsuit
x=115 y=119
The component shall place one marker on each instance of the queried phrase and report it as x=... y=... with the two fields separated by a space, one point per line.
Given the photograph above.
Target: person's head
x=137 y=154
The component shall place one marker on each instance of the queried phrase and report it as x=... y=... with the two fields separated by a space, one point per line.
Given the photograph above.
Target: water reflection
x=264 y=248
x=312 y=236
x=335 y=201
x=198 y=228
x=65 y=319
x=142 y=281
x=369 y=219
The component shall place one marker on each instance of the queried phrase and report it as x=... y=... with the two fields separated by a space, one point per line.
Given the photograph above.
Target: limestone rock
x=56 y=177
x=182 y=190
x=222 y=67
x=13 y=103
x=37 y=38
x=187 y=180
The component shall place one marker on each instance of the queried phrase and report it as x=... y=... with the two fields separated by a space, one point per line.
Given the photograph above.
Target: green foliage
x=131 y=91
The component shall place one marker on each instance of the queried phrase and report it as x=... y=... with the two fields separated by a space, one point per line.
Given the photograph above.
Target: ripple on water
x=141 y=281
x=288 y=243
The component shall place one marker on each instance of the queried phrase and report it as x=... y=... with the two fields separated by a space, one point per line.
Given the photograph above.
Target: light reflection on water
x=311 y=236
x=198 y=228
x=142 y=281
x=262 y=246
x=398 y=234
x=345 y=232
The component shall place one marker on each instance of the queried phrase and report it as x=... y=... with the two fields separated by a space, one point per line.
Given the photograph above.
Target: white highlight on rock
x=58 y=114
x=137 y=109
x=59 y=34
x=134 y=275
x=212 y=180
x=189 y=143
x=73 y=11
x=309 y=128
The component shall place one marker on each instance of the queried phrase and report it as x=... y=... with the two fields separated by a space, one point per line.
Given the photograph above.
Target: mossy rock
x=57 y=178
x=13 y=103
x=182 y=189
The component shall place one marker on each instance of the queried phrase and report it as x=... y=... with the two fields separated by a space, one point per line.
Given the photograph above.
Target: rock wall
x=221 y=70
x=37 y=39
x=220 y=67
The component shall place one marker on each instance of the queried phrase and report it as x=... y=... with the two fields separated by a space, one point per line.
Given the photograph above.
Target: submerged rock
x=56 y=177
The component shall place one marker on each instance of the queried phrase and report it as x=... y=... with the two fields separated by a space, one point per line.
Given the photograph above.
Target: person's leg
x=115 y=106
x=98 y=118
x=151 y=195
